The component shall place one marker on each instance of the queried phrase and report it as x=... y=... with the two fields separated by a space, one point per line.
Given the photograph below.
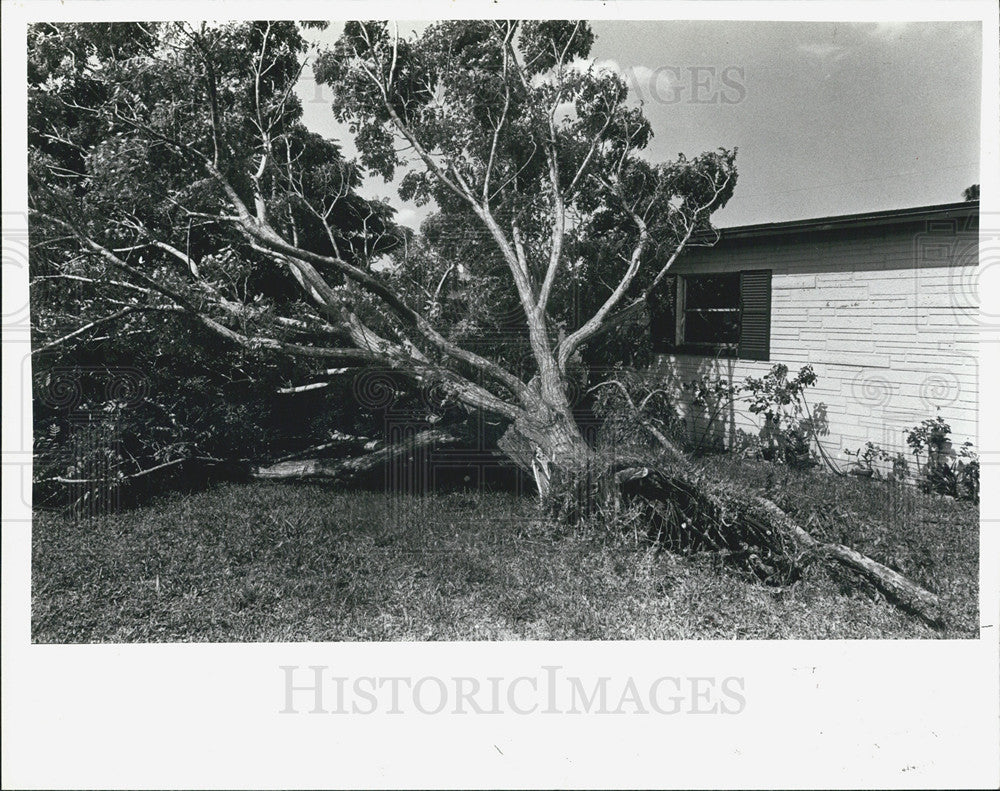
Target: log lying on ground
x=756 y=534
x=349 y=468
x=893 y=585
x=343 y=443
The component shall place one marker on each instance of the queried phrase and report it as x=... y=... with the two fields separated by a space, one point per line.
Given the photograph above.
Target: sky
x=829 y=117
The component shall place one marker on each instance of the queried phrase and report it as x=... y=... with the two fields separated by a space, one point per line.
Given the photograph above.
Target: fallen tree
x=687 y=511
x=753 y=533
x=555 y=233
x=556 y=226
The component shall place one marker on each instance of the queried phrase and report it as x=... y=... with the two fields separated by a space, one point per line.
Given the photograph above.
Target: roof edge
x=885 y=217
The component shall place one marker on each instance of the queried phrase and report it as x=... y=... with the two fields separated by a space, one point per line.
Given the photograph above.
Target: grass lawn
x=281 y=562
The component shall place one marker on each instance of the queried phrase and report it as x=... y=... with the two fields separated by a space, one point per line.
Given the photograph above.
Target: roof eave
x=942 y=211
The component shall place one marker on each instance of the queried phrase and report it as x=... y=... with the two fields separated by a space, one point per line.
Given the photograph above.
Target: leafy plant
x=866 y=463
x=786 y=433
x=967 y=473
x=946 y=471
x=712 y=394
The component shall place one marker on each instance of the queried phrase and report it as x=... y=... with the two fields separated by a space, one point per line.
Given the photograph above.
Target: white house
x=883 y=305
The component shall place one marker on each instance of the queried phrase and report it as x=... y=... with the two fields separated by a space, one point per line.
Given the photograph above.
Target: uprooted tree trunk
x=892 y=584
x=752 y=532
x=686 y=510
x=683 y=510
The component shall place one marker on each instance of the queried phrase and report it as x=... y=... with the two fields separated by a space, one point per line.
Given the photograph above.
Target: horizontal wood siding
x=886 y=316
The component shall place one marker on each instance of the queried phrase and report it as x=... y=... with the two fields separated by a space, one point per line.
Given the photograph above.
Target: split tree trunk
x=893 y=585
x=549 y=445
x=741 y=526
x=745 y=526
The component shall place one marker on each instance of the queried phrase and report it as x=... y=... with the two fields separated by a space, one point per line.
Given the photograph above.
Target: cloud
x=823 y=51
x=643 y=74
x=640 y=74
x=887 y=31
x=638 y=79
x=608 y=65
x=407 y=216
x=565 y=110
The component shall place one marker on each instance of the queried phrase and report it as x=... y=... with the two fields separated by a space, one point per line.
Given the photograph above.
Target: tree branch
x=593 y=324
x=88 y=326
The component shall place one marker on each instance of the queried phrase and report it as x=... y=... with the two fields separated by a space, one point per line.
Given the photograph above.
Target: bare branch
x=80 y=331
x=503 y=118
x=593 y=324
x=643 y=421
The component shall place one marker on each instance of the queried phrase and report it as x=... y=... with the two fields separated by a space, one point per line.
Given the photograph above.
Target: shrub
x=787 y=430
x=967 y=473
x=711 y=394
x=946 y=471
x=865 y=464
x=633 y=401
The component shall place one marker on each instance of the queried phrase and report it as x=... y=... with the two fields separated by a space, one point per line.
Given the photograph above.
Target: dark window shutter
x=662 y=304
x=755 y=315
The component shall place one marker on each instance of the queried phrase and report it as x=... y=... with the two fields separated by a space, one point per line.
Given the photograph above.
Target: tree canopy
x=143 y=295
x=171 y=174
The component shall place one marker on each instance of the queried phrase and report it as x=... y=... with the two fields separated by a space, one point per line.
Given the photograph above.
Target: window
x=711 y=311
x=725 y=314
